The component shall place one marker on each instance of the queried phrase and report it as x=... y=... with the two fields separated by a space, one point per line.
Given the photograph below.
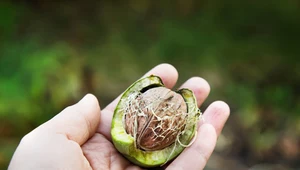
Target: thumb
x=77 y=122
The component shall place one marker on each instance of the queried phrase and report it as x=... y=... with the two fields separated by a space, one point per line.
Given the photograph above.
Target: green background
x=53 y=53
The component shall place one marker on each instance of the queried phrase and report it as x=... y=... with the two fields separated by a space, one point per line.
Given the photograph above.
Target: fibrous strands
x=155 y=118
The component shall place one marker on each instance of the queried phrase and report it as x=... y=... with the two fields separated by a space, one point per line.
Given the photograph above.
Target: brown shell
x=155 y=118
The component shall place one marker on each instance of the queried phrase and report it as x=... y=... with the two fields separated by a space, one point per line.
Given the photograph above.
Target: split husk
x=152 y=124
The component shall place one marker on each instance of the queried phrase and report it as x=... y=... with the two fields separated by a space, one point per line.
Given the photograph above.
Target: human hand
x=79 y=137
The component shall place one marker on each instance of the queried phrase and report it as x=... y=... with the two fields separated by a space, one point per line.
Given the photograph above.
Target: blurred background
x=54 y=52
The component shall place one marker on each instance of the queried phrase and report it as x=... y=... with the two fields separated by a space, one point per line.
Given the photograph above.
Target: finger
x=196 y=156
x=166 y=72
x=77 y=122
x=216 y=114
x=199 y=86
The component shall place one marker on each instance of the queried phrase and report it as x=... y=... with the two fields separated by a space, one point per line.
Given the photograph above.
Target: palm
x=101 y=154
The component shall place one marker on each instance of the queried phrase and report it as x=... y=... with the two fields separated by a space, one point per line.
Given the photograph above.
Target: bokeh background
x=54 y=52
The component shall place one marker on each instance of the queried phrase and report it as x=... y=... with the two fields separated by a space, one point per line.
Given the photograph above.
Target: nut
x=155 y=118
x=152 y=124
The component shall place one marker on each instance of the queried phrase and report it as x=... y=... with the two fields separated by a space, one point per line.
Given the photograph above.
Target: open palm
x=79 y=137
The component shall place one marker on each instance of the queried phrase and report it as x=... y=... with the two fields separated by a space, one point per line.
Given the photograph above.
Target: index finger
x=166 y=72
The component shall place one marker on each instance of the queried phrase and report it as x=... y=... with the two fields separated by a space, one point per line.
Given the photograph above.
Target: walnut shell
x=151 y=124
x=160 y=116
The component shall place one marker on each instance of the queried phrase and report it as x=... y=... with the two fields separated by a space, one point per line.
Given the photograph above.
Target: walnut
x=152 y=124
x=155 y=118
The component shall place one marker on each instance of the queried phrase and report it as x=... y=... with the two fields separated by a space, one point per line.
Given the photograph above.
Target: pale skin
x=78 y=138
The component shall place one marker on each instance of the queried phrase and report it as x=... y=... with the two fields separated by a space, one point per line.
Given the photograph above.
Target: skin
x=79 y=136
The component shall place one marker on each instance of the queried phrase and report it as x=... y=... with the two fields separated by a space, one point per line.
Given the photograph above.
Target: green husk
x=125 y=143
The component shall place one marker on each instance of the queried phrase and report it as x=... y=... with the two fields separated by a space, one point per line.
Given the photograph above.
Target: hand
x=79 y=137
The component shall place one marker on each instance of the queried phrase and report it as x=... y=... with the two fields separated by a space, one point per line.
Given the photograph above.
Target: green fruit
x=152 y=124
